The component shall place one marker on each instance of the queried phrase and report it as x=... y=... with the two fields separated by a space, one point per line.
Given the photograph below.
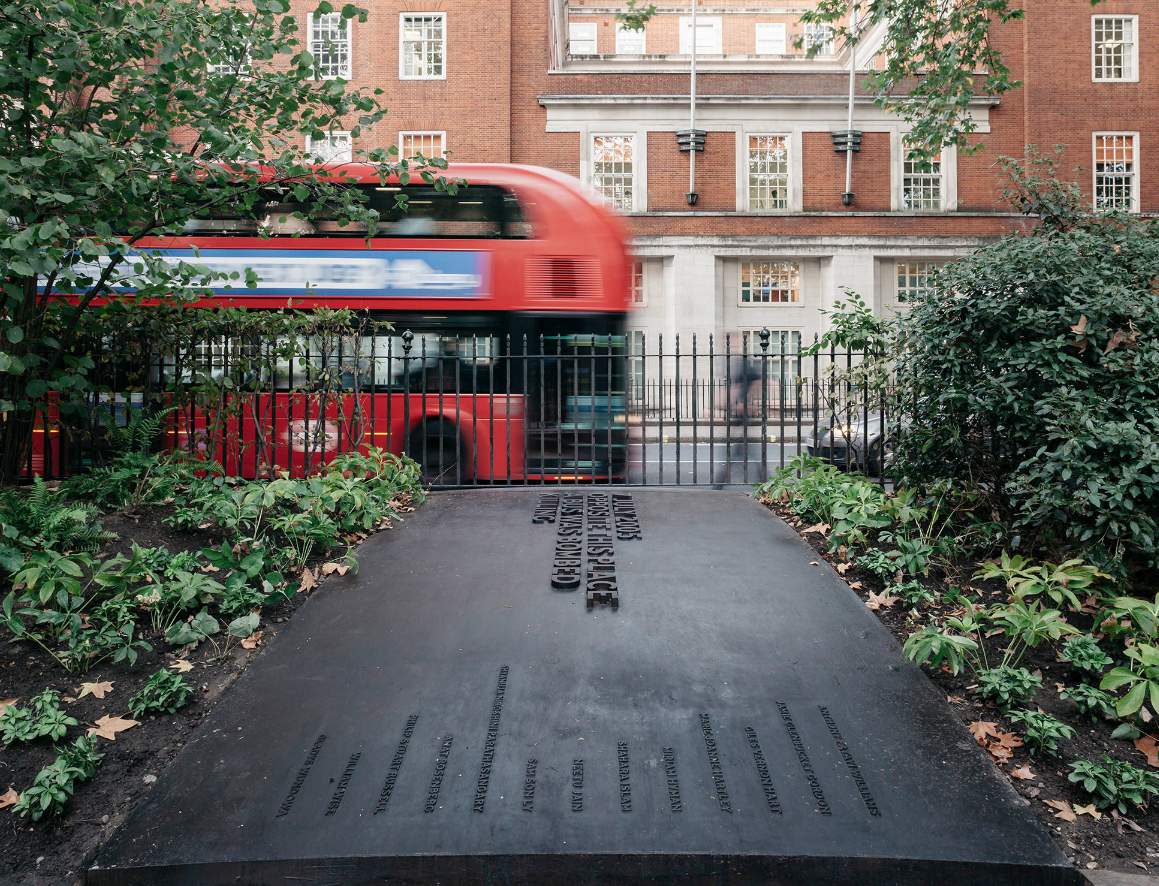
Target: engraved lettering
x=300 y=778
x=547 y=508
x=529 y=785
x=577 y=785
x=803 y=759
x=762 y=764
x=343 y=783
x=672 y=780
x=395 y=765
x=440 y=773
x=484 y=778
x=714 y=764
x=850 y=763
x=624 y=769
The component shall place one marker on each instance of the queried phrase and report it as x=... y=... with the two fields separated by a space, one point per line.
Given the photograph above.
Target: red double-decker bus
x=507 y=300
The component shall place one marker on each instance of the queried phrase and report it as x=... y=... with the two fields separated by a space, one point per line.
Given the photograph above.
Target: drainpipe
x=847 y=196
x=691 y=195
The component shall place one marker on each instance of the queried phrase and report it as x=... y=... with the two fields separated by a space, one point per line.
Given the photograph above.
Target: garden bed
x=1091 y=838
x=212 y=542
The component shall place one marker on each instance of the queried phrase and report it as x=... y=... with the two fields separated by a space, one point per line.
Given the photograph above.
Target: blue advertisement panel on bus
x=370 y=273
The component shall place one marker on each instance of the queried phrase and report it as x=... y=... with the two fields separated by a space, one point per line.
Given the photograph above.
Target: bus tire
x=435 y=444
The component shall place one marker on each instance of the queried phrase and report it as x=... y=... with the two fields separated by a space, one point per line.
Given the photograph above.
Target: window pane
x=820 y=36
x=763 y=282
x=422 y=46
x=922 y=184
x=770 y=39
x=1115 y=172
x=708 y=35
x=581 y=38
x=612 y=169
x=428 y=144
x=768 y=172
x=913 y=280
x=330 y=45
x=629 y=42
x=1114 y=48
x=638 y=296
x=334 y=147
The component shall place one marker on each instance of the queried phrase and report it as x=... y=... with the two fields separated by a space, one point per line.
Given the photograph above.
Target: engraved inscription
x=803 y=759
x=851 y=764
x=343 y=783
x=440 y=773
x=300 y=778
x=577 y=785
x=488 y=760
x=529 y=785
x=762 y=764
x=624 y=768
x=672 y=780
x=546 y=509
x=601 y=584
x=714 y=764
x=567 y=567
x=395 y=765
x=627 y=523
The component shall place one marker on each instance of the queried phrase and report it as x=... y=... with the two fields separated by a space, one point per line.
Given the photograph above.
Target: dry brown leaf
x=881 y=601
x=1001 y=753
x=108 y=727
x=855 y=585
x=1088 y=810
x=983 y=730
x=820 y=528
x=7 y=703
x=309 y=581
x=842 y=568
x=1022 y=772
x=1061 y=809
x=955 y=699
x=253 y=641
x=96 y=690
x=182 y=665
x=1008 y=740
x=1147 y=746
x=1080 y=327
x=331 y=568
x=9 y=798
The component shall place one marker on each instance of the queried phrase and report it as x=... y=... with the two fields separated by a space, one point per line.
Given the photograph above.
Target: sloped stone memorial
x=450 y=714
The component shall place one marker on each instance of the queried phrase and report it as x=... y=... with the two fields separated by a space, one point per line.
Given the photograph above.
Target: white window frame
x=782 y=40
x=1135 y=172
x=638 y=297
x=422 y=133
x=715 y=26
x=774 y=359
x=930 y=266
x=346 y=72
x=949 y=184
x=637 y=143
x=573 y=28
x=828 y=47
x=225 y=69
x=772 y=262
x=627 y=39
x=342 y=134
x=748 y=201
x=402 y=41
x=1132 y=60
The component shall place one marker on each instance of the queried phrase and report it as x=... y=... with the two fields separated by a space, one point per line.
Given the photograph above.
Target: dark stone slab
x=446 y=716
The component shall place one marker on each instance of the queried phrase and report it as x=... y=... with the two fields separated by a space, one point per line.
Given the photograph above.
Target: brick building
x=769 y=242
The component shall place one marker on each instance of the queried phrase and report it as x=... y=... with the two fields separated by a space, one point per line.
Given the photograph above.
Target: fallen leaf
x=1008 y=740
x=9 y=798
x=842 y=553
x=309 y=581
x=1061 y=809
x=820 y=528
x=1088 y=810
x=855 y=585
x=880 y=601
x=253 y=641
x=1080 y=327
x=955 y=699
x=983 y=730
x=842 y=568
x=108 y=727
x=182 y=666
x=96 y=690
x=7 y=703
x=1149 y=749
x=331 y=568
x=1022 y=772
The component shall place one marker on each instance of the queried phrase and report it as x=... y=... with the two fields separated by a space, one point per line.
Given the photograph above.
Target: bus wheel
x=436 y=446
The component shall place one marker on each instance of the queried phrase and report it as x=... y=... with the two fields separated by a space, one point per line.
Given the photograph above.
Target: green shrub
x=1032 y=370
x=1042 y=731
x=1091 y=702
x=934 y=647
x=55 y=784
x=1114 y=783
x=43 y=718
x=166 y=692
x=913 y=593
x=40 y=519
x=1006 y=685
x=1083 y=654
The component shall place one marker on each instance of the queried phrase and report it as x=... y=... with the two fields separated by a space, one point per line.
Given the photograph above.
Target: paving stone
x=446 y=715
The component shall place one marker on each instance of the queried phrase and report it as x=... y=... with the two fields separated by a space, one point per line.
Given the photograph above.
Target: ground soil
x=1113 y=842
x=58 y=851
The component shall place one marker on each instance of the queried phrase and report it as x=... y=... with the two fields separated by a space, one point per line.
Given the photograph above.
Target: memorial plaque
x=453 y=714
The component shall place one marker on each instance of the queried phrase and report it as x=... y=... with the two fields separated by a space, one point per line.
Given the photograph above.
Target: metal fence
x=485 y=409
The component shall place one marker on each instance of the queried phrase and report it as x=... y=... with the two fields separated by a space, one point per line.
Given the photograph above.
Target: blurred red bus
x=513 y=292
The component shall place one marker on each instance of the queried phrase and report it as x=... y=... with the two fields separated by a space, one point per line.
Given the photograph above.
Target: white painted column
x=847 y=269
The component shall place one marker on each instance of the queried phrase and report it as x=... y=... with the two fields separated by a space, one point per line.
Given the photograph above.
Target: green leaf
x=245 y=625
x=15 y=334
x=1132 y=701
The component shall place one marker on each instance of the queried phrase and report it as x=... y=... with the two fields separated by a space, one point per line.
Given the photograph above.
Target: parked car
x=857 y=442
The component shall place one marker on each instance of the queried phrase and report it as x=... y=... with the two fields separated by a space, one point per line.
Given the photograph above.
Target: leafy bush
x=1042 y=731
x=1114 y=783
x=40 y=519
x=43 y=718
x=912 y=593
x=1083 y=653
x=166 y=692
x=1006 y=685
x=1057 y=581
x=936 y=647
x=1093 y=703
x=1032 y=371
x=1140 y=677
x=55 y=784
x=879 y=563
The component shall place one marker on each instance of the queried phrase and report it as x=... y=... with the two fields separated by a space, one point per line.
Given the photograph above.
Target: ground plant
x=1093 y=703
x=41 y=718
x=1042 y=731
x=55 y=784
x=1115 y=784
x=1084 y=654
x=166 y=692
x=1006 y=685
